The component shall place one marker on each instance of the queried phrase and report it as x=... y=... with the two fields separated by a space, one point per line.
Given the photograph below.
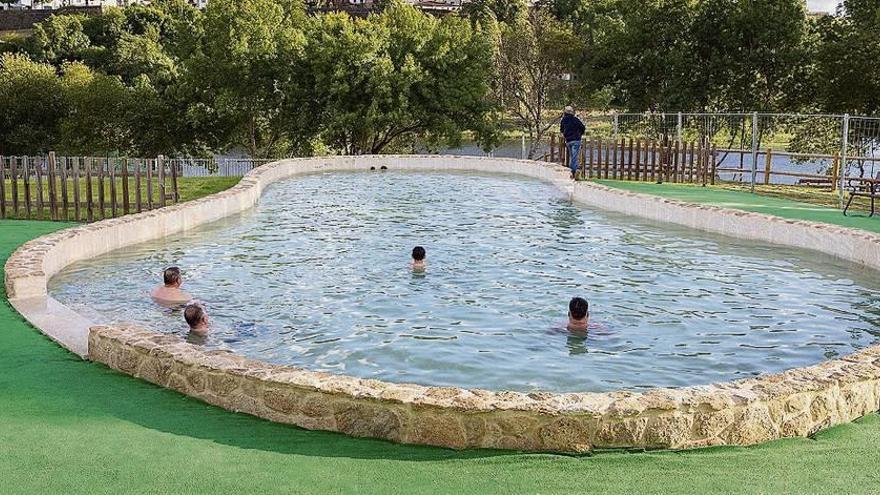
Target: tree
x=532 y=56
x=33 y=105
x=97 y=109
x=506 y=11
x=61 y=38
x=233 y=81
x=385 y=81
x=847 y=74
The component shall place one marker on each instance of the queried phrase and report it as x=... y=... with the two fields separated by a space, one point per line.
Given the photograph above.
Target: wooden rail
x=84 y=189
x=641 y=160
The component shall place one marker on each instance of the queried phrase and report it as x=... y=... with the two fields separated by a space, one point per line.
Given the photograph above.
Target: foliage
x=506 y=11
x=533 y=54
x=385 y=80
x=663 y=55
x=32 y=103
x=235 y=80
x=848 y=74
x=266 y=77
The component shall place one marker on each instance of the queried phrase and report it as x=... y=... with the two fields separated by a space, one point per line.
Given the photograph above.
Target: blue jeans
x=573 y=148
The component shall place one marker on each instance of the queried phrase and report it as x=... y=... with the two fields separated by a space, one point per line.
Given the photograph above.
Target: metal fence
x=220 y=167
x=751 y=150
x=769 y=148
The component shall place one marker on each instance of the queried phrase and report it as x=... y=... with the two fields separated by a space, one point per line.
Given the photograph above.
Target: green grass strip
x=743 y=200
x=71 y=426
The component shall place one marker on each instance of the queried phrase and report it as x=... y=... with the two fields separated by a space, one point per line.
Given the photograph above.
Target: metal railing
x=756 y=149
x=220 y=167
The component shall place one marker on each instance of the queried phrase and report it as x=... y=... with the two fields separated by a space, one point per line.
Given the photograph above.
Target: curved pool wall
x=797 y=402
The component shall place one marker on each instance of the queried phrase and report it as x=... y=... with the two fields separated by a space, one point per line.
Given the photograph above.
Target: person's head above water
x=171 y=275
x=578 y=313
x=418 y=253
x=196 y=317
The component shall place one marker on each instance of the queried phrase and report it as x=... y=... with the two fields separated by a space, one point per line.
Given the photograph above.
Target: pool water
x=318 y=276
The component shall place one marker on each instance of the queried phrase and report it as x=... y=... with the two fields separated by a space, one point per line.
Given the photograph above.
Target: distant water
x=317 y=276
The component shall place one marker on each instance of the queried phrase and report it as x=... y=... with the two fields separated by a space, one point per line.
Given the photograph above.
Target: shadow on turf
x=149 y=407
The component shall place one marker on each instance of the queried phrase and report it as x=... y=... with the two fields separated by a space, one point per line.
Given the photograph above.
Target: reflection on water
x=318 y=276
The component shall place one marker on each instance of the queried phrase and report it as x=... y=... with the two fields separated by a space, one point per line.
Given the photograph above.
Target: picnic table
x=864 y=187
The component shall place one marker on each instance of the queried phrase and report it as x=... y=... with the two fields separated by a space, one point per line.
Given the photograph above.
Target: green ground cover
x=744 y=200
x=71 y=426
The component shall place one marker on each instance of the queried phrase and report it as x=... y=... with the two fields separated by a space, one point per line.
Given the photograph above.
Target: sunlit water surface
x=317 y=276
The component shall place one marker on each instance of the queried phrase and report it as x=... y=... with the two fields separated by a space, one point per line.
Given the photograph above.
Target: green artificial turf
x=70 y=426
x=744 y=200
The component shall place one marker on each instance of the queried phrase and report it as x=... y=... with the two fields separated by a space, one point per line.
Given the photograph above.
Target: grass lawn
x=190 y=188
x=726 y=196
x=71 y=426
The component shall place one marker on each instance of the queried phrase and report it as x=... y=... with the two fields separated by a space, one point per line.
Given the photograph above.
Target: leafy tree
x=33 y=105
x=97 y=106
x=61 y=38
x=506 y=11
x=847 y=73
x=765 y=56
x=233 y=81
x=385 y=81
x=532 y=56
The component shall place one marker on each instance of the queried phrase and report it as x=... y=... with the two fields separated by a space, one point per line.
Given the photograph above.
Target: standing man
x=573 y=130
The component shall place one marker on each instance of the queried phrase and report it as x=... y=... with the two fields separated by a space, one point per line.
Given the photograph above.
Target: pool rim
x=796 y=402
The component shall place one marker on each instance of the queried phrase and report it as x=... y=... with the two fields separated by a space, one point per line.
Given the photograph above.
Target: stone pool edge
x=797 y=402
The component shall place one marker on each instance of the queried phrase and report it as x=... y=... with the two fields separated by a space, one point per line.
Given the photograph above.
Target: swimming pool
x=317 y=276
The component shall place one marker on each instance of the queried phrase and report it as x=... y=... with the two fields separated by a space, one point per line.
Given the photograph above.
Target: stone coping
x=794 y=403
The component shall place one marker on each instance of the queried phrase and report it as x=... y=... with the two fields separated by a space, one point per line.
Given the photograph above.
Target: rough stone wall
x=795 y=403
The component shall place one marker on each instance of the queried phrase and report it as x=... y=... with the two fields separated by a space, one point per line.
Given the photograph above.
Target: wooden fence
x=641 y=160
x=84 y=188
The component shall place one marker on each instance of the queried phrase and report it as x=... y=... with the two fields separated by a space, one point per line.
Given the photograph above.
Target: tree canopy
x=267 y=77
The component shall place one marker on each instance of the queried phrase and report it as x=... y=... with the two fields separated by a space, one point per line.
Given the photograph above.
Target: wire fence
x=812 y=157
x=219 y=167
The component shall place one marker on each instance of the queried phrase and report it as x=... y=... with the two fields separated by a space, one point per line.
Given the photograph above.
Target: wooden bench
x=865 y=188
x=815 y=182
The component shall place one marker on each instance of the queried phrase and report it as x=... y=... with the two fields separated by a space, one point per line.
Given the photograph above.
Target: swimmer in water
x=197 y=319
x=578 y=315
x=418 y=262
x=170 y=294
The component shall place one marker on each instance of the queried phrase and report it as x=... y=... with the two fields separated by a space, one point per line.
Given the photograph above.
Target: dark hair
x=171 y=275
x=194 y=314
x=418 y=253
x=578 y=308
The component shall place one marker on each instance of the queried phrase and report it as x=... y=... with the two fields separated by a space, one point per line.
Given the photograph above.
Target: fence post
x=767 y=165
x=125 y=201
x=844 y=144
x=614 y=128
x=174 y=182
x=522 y=144
x=678 y=128
x=160 y=164
x=2 y=189
x=13 y=174
x=754 y=150
x=91 y=205
x=552 y=147
x=714 y=159
x=53 y=200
